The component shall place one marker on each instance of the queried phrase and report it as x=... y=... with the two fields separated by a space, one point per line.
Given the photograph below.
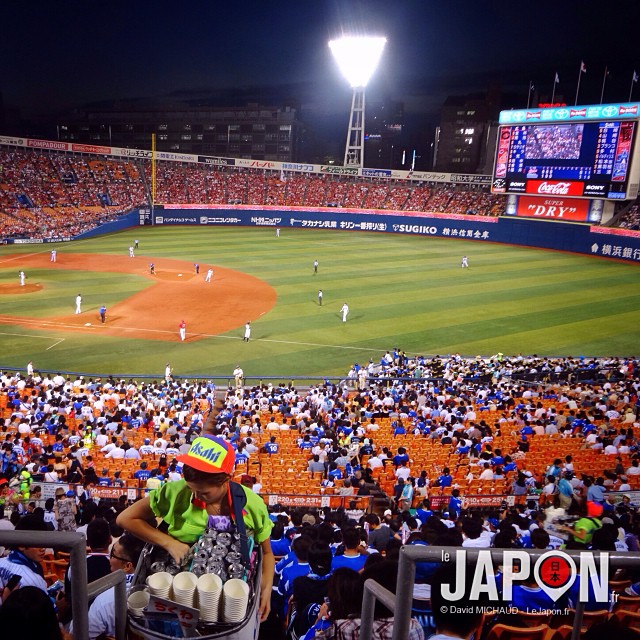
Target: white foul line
x=20 y=256
x=54 y=344
x=28 y=335
x=204 y=335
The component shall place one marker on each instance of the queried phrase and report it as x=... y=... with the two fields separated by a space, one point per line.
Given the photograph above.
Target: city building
x=253 y=131
x=465 y=131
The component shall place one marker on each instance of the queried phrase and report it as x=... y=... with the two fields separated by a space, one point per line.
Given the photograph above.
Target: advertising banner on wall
x=574 y=209
x=552 y=233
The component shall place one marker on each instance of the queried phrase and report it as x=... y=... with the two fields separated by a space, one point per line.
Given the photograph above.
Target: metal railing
x=401 y=602
x=81 y=593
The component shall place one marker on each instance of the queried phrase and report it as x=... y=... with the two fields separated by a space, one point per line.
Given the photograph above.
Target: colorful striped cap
x=210 y=454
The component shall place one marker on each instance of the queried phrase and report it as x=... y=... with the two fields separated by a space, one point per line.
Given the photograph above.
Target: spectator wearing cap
x=65 y=510
x=25 y=561
x=146 y=449
x=186 y=505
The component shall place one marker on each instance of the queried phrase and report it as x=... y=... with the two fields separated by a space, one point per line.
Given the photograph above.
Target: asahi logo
x=555 y=188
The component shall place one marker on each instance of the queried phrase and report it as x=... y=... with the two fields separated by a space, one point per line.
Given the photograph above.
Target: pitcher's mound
x=11 y=289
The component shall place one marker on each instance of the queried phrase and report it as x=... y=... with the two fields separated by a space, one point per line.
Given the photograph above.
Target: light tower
x=357 y=58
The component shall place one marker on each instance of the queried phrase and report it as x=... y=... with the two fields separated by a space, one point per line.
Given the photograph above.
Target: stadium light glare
x=357 y=58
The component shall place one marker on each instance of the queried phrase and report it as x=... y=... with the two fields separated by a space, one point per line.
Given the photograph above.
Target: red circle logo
x=555 y=572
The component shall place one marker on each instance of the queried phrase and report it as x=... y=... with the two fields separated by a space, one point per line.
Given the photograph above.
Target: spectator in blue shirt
x=398 y=428
x=423 y=512
x=353 y=556
x=104 y=480
x=455 y=502
x=300 y=567
x=272 y=446
x=143 y=473
x=400 y=456
x=445 y=479
x=334 y=472
x=280 y=544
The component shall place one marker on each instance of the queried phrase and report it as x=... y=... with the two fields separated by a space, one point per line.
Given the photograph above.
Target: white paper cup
x=209 y=589
x=137 y=602
x=184 y=588
x=235 y=600
x=160 y=584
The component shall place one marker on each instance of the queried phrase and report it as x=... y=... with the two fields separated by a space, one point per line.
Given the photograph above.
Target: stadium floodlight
x=357 y=58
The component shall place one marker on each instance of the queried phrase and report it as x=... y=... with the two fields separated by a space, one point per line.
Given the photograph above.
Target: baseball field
x=403 y=291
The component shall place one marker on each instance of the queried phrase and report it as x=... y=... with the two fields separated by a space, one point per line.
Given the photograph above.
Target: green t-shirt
x=187 y=522
x=590 y=525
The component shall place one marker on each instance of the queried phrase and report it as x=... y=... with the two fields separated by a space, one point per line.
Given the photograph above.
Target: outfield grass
x=403 y=291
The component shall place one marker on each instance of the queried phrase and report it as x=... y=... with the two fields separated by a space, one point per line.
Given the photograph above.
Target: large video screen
x=587 y=159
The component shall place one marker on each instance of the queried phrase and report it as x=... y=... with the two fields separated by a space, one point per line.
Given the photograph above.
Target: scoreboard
x=574 y=156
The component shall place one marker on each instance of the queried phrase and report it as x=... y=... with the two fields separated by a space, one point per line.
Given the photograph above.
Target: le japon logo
x=555 y=572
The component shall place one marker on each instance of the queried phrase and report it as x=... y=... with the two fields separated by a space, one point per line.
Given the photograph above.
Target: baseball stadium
x=393 y=363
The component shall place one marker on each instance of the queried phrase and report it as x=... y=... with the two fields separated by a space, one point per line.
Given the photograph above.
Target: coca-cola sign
x=555 y=187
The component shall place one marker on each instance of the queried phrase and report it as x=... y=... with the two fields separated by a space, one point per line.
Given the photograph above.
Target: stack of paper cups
x=137 y=601
x=209 y=591
x=160 y=584
x=184 y=588
x=236 y=599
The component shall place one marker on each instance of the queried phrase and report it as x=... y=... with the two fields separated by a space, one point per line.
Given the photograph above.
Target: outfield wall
x=125 y=222
x=546 y=234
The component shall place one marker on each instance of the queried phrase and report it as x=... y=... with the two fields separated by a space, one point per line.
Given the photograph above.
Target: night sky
x=56 y=55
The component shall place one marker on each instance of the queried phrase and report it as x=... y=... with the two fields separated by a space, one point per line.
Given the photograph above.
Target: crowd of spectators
x=189 y=184
x=555 y=439
x=559 y=141
x=52 y=195
x=631 y=218
x=48 y=195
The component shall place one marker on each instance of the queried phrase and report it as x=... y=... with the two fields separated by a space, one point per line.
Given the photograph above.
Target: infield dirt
x=178 y=293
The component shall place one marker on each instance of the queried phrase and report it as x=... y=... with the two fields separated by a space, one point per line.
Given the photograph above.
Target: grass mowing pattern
x=402 y=290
